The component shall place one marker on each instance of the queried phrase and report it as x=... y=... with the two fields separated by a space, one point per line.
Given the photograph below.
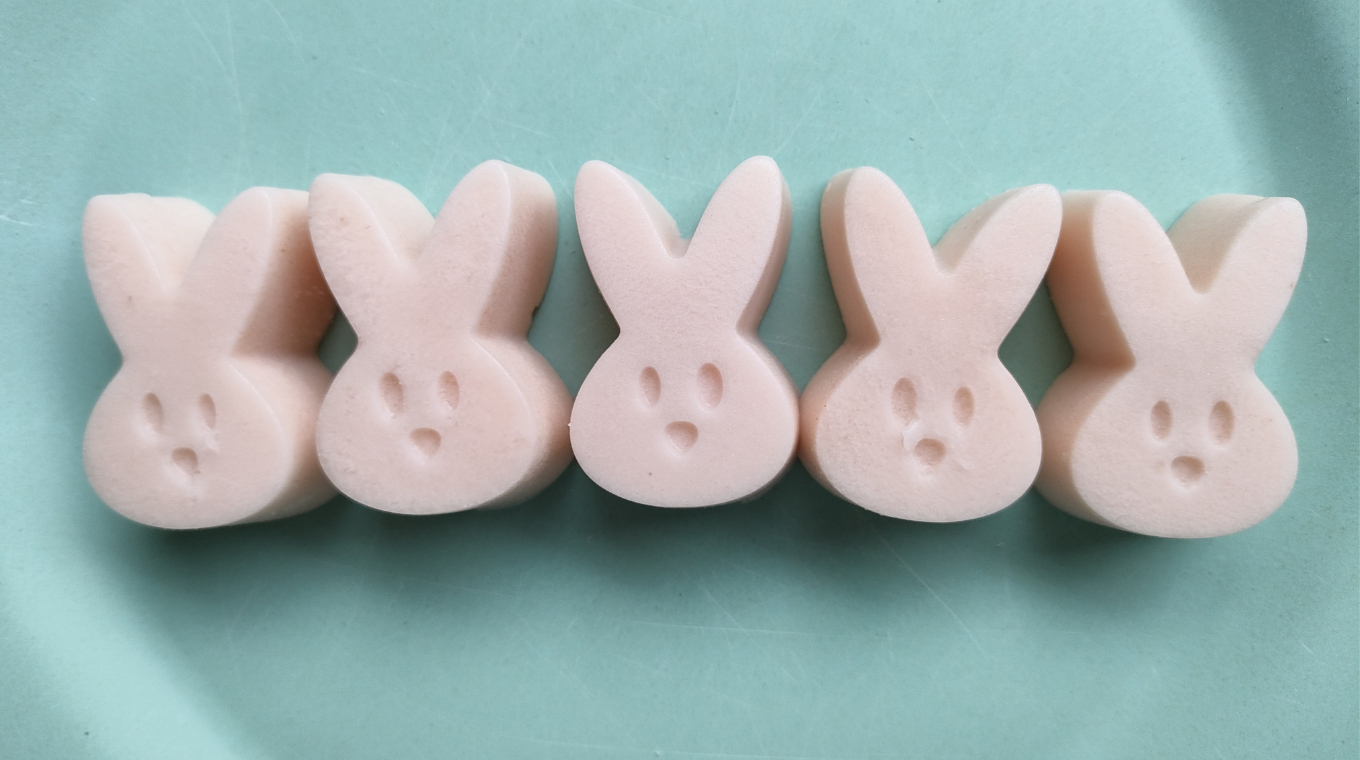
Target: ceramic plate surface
x=579 y=625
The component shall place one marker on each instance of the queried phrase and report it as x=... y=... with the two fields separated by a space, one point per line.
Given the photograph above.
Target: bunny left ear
x=739 y=246
x=255 y=282
x=137 y=249
x=1244 y=253
x=998 y=253
x=628 y=239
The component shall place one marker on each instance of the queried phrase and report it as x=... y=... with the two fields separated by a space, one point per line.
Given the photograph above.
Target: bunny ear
x=742 y=238
x=493 y=246
x=1244 y=252
x=628 y=238
x=999 y=252
x=367 y=232
x=876 y=250
x=1116 y=281
x=255 y=284
x=137 y=249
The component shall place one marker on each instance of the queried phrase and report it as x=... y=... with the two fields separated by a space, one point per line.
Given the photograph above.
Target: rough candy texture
x=211 y=419
x=914 y=416
x=1160 y=426
x=687 y=408
x=444 y=405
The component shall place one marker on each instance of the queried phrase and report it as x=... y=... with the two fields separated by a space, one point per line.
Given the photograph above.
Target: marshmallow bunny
x=914 y=416
x=687 y=408
x=211 y=419
x=1160 y=426
x=444 y=405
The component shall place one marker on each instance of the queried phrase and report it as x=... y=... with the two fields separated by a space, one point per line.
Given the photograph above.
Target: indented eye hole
x=1221 y=422
x=392 y=393
x=207 y=410
x=904 y=401
x=154 y=412
x=963 y=405
x=710 y=385
x=650 y=383
x=449 y=392
x=1161 y=419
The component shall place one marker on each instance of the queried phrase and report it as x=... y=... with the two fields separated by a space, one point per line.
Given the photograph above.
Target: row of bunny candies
x=222 y=413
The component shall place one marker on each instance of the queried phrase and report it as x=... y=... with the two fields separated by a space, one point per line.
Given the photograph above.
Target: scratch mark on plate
x=815 y=100
x=927 y=587
x=644 y=10
x=296 y=48
x=950 y=127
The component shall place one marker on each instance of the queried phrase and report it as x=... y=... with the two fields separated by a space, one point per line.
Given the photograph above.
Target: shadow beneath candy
x=786 y=558
x=381 y=620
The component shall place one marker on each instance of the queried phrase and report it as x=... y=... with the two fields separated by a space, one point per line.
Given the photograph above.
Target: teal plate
x=579 y=625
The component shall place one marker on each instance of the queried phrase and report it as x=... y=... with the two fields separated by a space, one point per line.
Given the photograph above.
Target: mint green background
x=578 y=625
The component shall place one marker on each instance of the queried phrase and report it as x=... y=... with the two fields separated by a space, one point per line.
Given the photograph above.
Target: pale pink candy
x=1160 y=426
x=687 y=408
x=915 y=416
x=444 y=405
x=211 y=419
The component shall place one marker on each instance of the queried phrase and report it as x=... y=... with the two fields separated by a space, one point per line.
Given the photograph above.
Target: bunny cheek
x=1174 y=464
x=448 y=431
x=185 y=454
x=955 y=445
x=683 y=426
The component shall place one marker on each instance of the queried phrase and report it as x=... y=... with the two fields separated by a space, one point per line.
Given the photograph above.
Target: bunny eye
x=710 y=385
x=449 y=391
x=1161 y=419
x=207 y=411
x=650 y=383
x=392 y=393
x=963 y=405
x=904 y=401
x=1221 y=422
x=154 y=412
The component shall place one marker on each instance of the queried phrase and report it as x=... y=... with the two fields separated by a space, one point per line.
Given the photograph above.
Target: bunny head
x=211 y=418
x=444 y=405
x=687 y=408
x=915 y=416
x=1160 y=426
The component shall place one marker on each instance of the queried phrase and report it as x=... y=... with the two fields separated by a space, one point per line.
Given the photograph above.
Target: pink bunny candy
x=915 y=416
x=444 y=405
x=211 y=419
x=1160 y=426
x=687 y=408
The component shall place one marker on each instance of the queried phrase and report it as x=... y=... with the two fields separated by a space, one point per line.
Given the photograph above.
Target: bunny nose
x=1188 y=470
x=186 y=460
x=929 y=451
x=426 y=440
x=682 y=435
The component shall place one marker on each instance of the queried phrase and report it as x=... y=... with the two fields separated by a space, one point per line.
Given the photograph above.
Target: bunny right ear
x=999 y=252
x=875 y=249
x=365 y=230
x=627 y=236
x=742 y=239
x=255 y=282
x=493 y=245
x=1116 y=281
x=137 y=249
x=1244 y=252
